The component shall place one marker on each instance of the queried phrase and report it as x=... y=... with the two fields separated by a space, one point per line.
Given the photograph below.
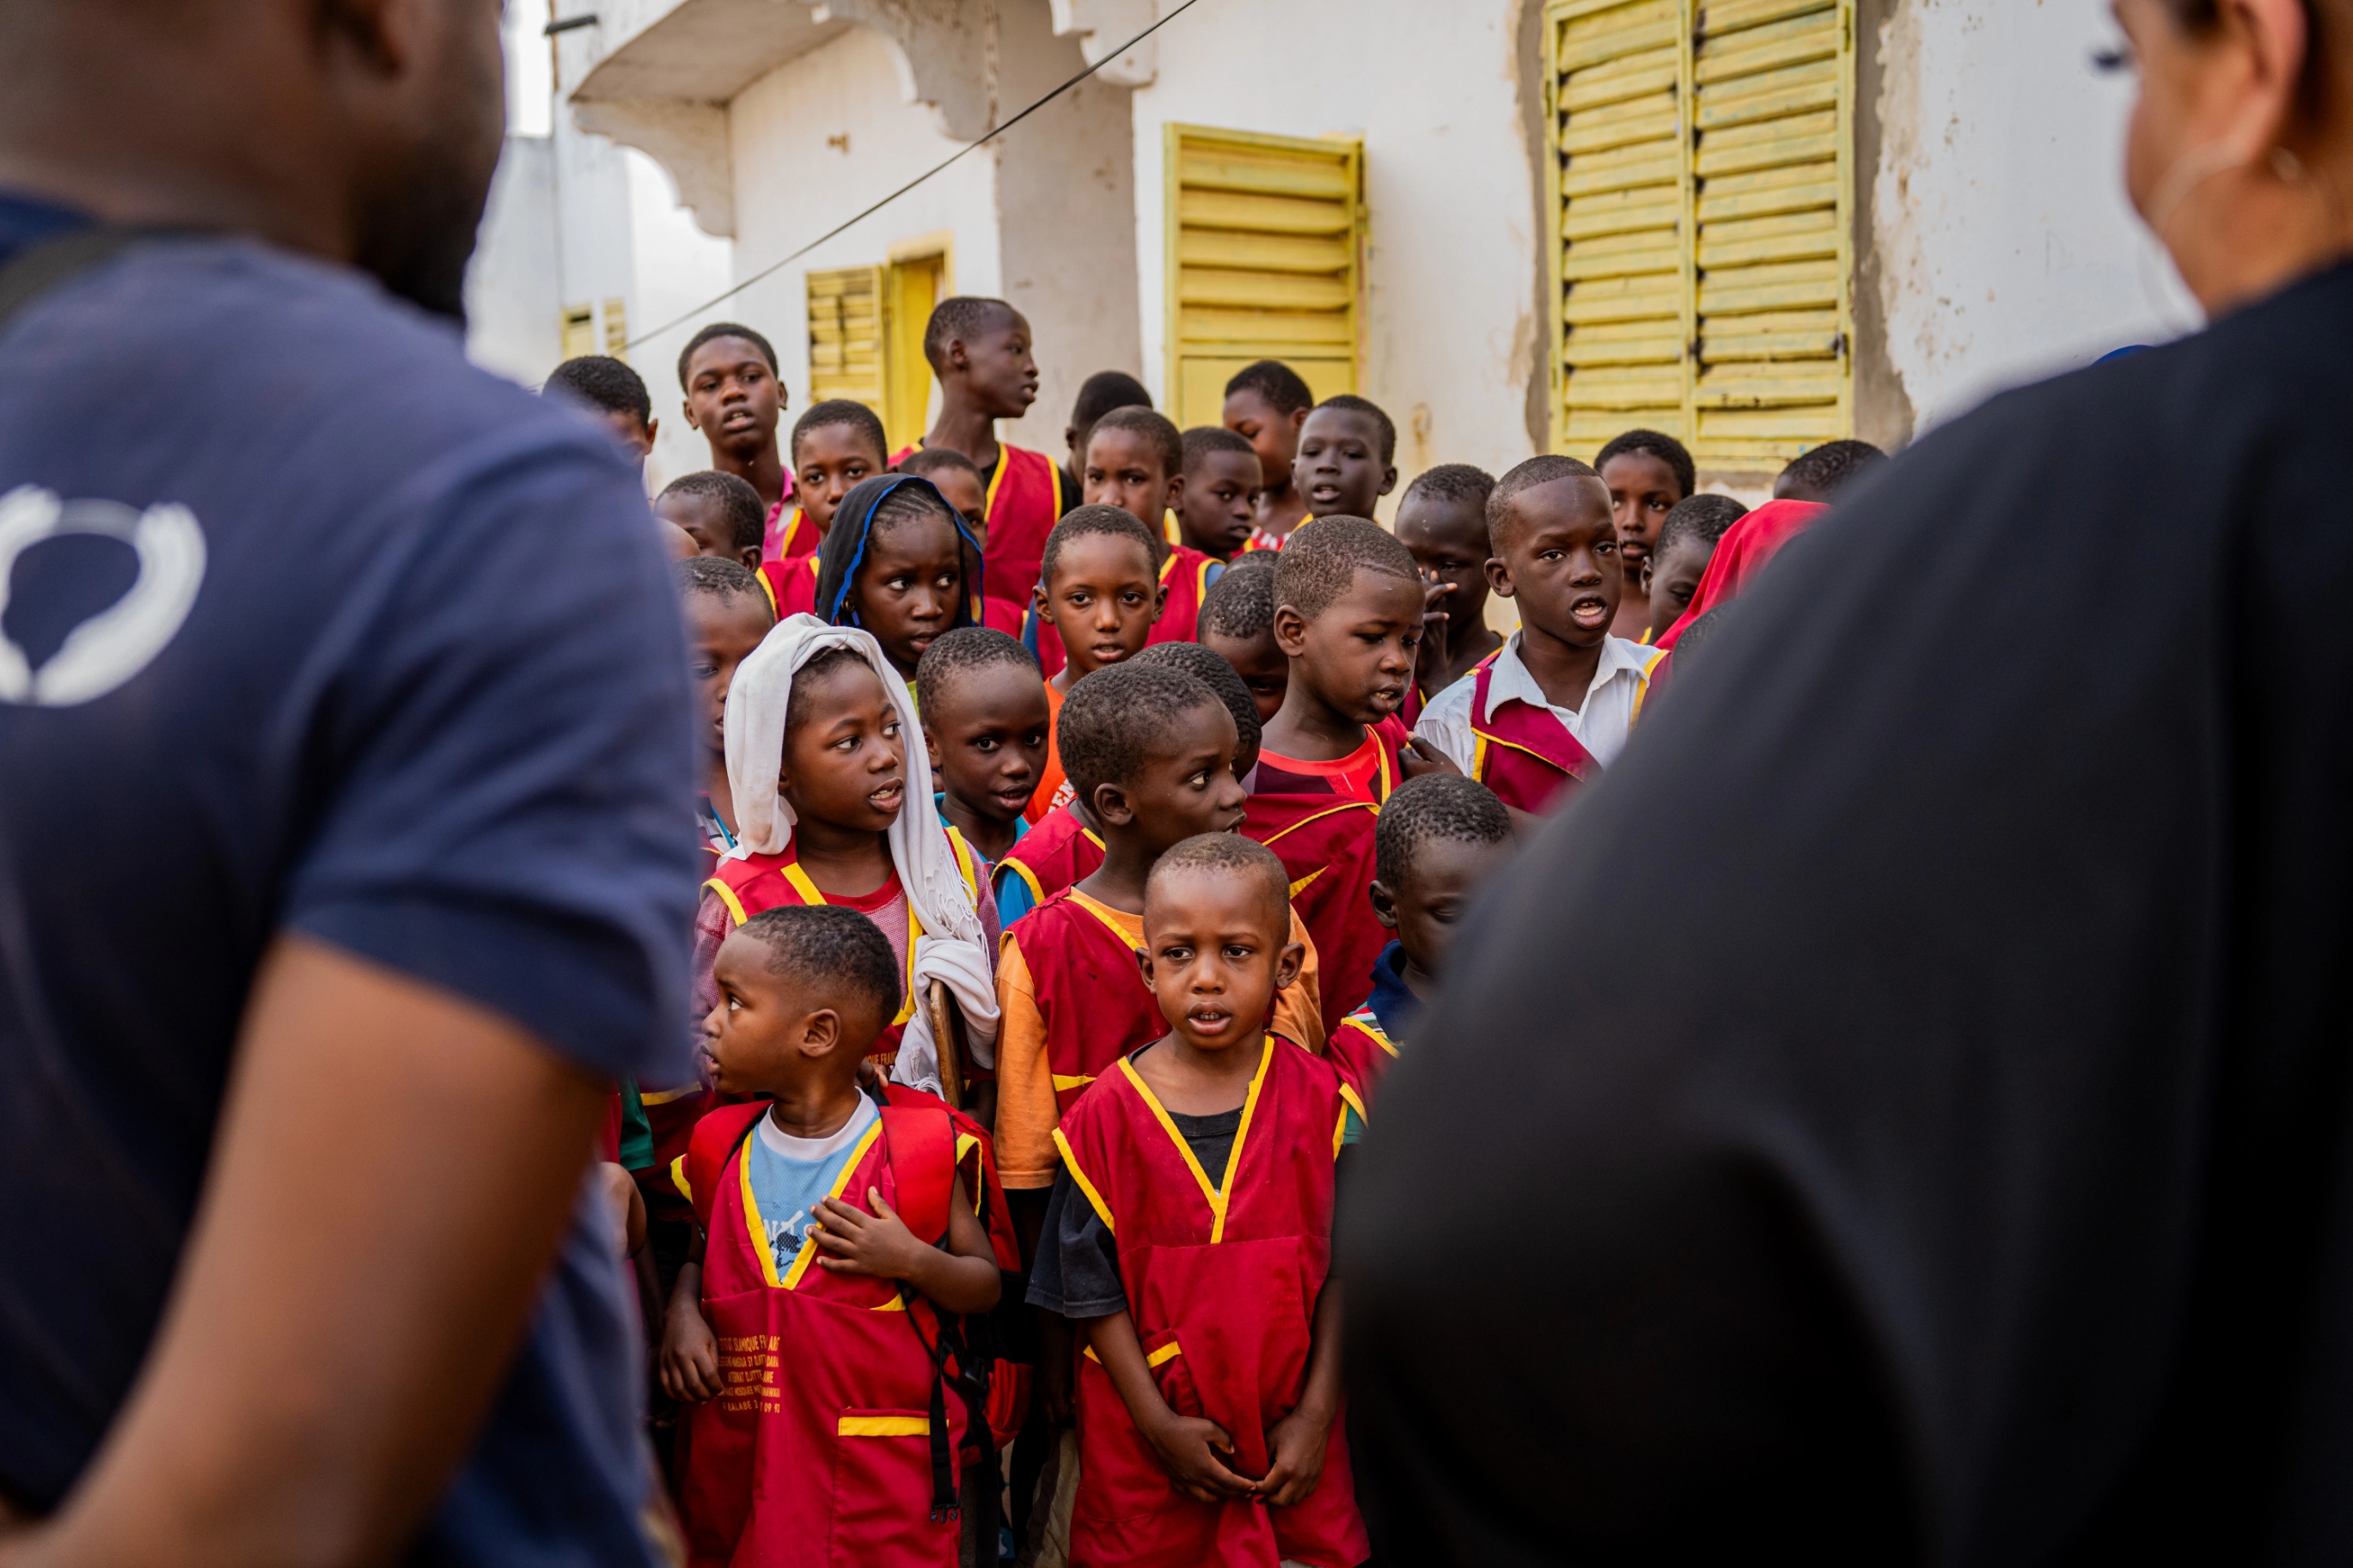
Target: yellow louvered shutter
x=1701 y=175
x=1622 y=188
x=1773 y=95
x=845 y=329
x=1266 y=237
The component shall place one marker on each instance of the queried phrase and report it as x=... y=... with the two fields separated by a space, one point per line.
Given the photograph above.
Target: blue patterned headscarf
x=844 y=550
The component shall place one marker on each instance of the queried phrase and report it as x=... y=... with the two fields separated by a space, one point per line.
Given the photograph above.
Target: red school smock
x=756 y=882
x=1525 y=753
x=1360 y=1051
x=1186 y=574
x=790 y=584
x=818 y=1453
x=1322 y=831
x=1222 y=1280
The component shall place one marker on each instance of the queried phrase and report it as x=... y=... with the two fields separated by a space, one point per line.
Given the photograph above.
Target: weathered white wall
x=513 y=325
x=674 y=266
x=792 y=184
x=2007 y=250
x=1451 y=329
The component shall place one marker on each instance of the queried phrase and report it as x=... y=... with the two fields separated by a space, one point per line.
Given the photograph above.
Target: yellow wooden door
x=1264 y=247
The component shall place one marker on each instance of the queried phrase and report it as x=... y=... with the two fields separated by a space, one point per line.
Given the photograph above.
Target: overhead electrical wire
x=847 y=223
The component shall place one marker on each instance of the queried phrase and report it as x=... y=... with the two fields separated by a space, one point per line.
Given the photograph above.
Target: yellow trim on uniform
x=1160 y=1357
x=1301 y=886
x=1216 y=1194
x=809 y=894
x=1079 y=1081
x=1478 y=755
x=1649 y=667
x=988 y=501
x=678 y=1178
x=964 y=1144
x=792 y=1277
x=727 y=896
x=883 y=1426
x=1304 y=821
x=664 y=1096
x=1037 y=891
x=1340 y=1128
x=1372 y=1031
x=1071 y=1163
x=964 y=862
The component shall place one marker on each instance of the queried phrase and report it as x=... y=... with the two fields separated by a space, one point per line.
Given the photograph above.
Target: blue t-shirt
x=311 y=626
x=790 y=1176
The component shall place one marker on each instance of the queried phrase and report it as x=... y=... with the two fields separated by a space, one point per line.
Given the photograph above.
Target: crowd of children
x=1033 y=1051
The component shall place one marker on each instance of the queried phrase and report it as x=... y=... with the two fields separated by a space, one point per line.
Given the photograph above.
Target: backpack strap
x=921 y=1141
x=708 y=1150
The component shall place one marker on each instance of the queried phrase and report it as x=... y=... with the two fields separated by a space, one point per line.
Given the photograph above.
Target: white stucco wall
x=2008 y=250
x=1450 y=300
x=511 y=311
x=674 y=266
x=791 y=185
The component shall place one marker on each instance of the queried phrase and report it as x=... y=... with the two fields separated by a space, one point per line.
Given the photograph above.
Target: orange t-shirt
x=1351 y=775
x=1051 y=777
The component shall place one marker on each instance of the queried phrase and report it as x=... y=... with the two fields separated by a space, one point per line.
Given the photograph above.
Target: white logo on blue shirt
x=122 y=639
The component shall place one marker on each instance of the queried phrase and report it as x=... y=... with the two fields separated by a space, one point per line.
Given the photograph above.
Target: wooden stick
x=944 y=1040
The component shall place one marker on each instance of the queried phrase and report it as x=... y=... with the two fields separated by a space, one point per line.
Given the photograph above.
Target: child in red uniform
x=953 y=475
x=1099 y=593
x=1135 y=461
x=1216 y=512
x=614 y=393
x=835 y=445
x=984 y=709
x=1439 y=838
x=1442 y=518
x=1154 y=750
x=1553 y=706
x=734 y=396
x=1044 y=864
x=720 y=512
x=1238 y=625
x=1349 y=616
x=1191 y=1235
x=897 y=563
x=1647 y=474
x=821 y=772
x=823 y=1432
x=1686 y=543
x=1347 y=458
x=1266 y=404
x=727 y=616
x=979 y=349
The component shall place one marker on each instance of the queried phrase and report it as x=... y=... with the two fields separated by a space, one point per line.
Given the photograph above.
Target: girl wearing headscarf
x=833 y=806
x=899 y=564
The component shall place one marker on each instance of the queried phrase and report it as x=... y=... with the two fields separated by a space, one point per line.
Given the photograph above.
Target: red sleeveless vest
x=1025 y=501
x=1056 y=854
x=1325 y=843
x=1185 y=575
x=1360 y=1052
x=791 y=584
x=1222 y=1275
x=792 y=536
x=1090 y=991
x=1521 y=753
x=821 y=1449
x=757 y=882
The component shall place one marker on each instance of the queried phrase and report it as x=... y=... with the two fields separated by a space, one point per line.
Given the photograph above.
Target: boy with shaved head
x=1189 y=1235
x=979 y=349
x=1348 y=617
x=1552 y=707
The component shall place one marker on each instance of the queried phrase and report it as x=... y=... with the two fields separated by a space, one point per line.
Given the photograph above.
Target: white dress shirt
x=1600 y=725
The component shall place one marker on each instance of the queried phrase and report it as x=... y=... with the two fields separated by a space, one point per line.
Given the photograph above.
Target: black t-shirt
x=1902 y=1112
x=311 y=627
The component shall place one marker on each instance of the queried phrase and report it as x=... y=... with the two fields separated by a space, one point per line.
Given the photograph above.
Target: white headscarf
x=953 y=946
